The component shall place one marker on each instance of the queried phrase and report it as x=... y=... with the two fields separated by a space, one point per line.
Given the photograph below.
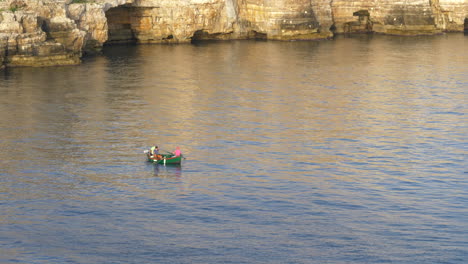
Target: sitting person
x=152 y=150
x=154 y=153
x=177 y=152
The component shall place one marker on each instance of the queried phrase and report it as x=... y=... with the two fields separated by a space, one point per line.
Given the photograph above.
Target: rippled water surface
x=344 y=151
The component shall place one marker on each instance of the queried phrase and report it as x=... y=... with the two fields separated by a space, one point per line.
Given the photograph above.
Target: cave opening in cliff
x=257 y=35
x=202 y=35
x=466 y=25
x=119 y=22
x=45 y=27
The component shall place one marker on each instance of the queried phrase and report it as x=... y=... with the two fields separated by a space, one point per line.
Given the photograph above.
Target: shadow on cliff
x=306 y=21
x=465 y=26
x=409 y=20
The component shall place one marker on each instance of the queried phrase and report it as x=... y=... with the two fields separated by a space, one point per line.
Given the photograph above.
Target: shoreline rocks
x=59 y=32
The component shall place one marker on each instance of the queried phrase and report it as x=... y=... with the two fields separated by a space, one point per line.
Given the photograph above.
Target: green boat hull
x=167 y=159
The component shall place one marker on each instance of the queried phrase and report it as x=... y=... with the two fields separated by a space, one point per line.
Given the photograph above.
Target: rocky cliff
x=413 y=17
x=58 y=32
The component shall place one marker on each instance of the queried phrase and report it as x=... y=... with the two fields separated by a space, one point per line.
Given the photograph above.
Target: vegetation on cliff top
x=12 y=9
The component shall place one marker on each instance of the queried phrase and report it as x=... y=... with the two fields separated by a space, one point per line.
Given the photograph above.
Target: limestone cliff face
x=399 y=17
x=286 y=19
x=57 y=32
x=167 y=21
x=452 y=15
x=38 y=34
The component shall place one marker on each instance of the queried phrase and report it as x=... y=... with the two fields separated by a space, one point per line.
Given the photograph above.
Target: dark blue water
x=344 y=151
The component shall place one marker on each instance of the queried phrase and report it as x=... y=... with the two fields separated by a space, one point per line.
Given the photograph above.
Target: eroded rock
x=37 y=32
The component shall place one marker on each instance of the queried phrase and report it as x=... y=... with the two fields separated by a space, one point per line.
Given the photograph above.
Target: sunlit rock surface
x=38 y=33
x=58 y=32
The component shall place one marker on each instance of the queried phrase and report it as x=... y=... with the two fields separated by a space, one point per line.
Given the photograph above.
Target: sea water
x=351 y=150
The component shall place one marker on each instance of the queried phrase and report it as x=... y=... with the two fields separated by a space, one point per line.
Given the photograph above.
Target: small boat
x=166 y=159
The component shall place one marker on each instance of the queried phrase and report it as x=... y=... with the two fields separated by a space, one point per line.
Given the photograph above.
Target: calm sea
x=344 y=151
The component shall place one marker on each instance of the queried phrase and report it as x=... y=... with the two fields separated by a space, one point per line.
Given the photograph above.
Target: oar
x=167 y=152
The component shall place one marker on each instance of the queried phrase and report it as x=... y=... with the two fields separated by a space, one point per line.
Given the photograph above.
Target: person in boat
x=155 y=153
x=177 y=152
x=152 y=150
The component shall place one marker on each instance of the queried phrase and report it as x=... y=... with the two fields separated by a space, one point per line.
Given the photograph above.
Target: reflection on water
x=168 y=171
x=351 y=150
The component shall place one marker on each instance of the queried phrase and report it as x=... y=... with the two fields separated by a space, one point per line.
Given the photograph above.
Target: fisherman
x=155 y=153
x=153 y=149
